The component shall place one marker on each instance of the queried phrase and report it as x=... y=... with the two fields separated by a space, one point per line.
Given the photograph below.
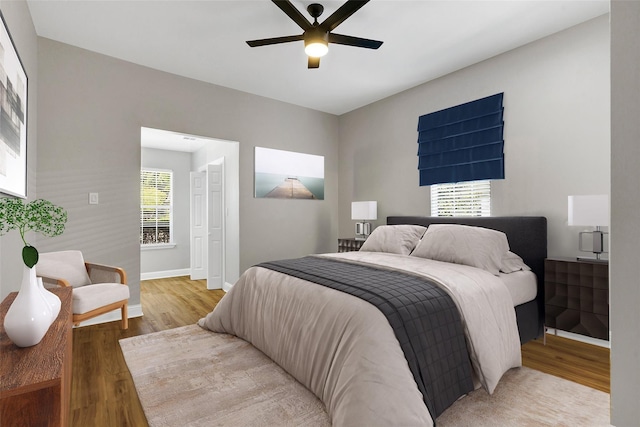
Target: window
x=472 y=198
x=156 y=207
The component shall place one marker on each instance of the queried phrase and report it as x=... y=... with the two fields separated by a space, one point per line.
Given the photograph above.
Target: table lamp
x=590 y=211
x=362 y=212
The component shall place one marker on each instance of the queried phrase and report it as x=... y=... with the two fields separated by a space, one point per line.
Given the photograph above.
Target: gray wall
x=178 y=257
x=625 y=213
x=18 y=19
x=556 y=100
x=92 y=107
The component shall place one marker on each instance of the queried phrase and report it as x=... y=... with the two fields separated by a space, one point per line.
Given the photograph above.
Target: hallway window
x=156 y=207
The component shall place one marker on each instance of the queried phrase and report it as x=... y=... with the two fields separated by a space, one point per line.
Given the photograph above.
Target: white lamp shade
x=364 y=210
x=589 y=210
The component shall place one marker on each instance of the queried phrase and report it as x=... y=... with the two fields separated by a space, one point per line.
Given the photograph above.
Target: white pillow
x=395 y=239
x=68 y=265
x=512 y=263
x=463 y=244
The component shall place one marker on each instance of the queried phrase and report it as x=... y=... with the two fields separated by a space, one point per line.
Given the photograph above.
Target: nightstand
x=349 y=245
x=577 y=296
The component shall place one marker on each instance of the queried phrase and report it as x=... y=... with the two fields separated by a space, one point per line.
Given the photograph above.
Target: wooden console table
x=35 y=382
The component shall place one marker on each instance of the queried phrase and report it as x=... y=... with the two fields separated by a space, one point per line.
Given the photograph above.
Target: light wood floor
x=103 y=393
x=569 y=359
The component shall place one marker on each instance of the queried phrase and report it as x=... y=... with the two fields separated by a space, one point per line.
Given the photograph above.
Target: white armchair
x=97 y=289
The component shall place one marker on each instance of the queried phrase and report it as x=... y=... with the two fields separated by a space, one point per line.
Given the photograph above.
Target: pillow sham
x=512 y=263
x=464 y=244
x=395 y=239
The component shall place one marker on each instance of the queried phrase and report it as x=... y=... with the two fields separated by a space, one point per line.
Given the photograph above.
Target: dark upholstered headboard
x=527 y=237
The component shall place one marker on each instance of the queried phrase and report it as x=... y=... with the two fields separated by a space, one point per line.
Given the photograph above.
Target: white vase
x=52 y=299
x=29 y=316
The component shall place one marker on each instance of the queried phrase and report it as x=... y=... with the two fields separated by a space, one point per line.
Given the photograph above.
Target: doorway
x=214 y=254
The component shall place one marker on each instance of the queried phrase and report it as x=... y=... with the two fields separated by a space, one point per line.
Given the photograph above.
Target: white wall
x=556 y=100
x=91 y=110
x=625 y=213
x=18 y=18
x=178 y=257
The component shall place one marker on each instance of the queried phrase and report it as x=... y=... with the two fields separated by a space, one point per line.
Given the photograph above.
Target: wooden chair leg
x=125 y=318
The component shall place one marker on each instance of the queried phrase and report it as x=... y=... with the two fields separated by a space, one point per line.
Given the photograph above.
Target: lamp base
x=363 y=229
x=597 y=247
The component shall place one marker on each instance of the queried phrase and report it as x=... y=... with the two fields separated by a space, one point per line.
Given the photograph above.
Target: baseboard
x=115 y=315
x=578 y=337
x=227 y=286
x=165 y=274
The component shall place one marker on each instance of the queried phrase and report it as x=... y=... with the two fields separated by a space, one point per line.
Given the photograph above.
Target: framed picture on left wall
x=13 y=118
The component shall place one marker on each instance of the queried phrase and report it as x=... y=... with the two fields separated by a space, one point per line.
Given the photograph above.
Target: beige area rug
x=191 y=377
x=527 y=398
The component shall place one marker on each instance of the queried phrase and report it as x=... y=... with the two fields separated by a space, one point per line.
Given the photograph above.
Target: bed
x=374 y=357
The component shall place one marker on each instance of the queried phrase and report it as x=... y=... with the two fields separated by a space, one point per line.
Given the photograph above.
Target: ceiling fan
x=317 y=36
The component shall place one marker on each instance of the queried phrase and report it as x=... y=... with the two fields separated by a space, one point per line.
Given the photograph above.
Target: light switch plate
x=93 y=198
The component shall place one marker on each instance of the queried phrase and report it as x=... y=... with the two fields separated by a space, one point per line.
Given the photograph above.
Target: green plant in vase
x=40 y=216
x=34 y=308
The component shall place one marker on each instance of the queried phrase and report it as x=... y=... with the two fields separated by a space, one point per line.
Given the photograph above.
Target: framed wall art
x=288 y=175
x=13 y=118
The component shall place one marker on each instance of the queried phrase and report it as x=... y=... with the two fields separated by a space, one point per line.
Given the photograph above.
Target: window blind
x=156 y=206
x=461 y=199
x=462 y=143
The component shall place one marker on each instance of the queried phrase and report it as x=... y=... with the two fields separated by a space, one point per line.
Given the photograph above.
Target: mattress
x=522 y=286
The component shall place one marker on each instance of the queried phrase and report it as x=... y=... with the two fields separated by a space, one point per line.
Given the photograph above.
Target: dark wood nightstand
x=577 y=296
x=349 y=245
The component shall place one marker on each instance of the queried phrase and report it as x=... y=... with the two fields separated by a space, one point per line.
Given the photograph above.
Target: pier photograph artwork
x=283 y=174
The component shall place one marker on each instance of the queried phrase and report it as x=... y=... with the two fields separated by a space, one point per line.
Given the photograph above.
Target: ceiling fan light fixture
x=316 y=42
x=316 y=48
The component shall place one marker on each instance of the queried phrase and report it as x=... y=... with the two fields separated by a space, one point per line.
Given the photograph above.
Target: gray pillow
x=395 y=239
x=463 y=244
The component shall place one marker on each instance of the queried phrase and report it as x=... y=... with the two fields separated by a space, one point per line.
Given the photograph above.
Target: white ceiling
x=167 y=140
x=205 y=40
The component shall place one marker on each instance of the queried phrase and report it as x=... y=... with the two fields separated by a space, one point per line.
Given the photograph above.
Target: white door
x=215 y=268
x=198 y=225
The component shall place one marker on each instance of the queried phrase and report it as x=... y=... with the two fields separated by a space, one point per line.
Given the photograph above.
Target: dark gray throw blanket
x=424 y=318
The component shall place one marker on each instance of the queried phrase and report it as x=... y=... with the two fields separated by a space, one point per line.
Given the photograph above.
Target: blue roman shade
x=462 y=143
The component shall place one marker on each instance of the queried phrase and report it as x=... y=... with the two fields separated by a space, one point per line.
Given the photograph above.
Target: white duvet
x=343 y=349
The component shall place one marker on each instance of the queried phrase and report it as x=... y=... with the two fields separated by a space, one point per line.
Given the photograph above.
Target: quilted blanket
x=423 y=316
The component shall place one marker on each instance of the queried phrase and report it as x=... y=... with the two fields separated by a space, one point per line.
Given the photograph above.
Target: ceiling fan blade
x=343 y=12
x=293 y=13
x=354 y=41
x=313 y=62
x=274 y=40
